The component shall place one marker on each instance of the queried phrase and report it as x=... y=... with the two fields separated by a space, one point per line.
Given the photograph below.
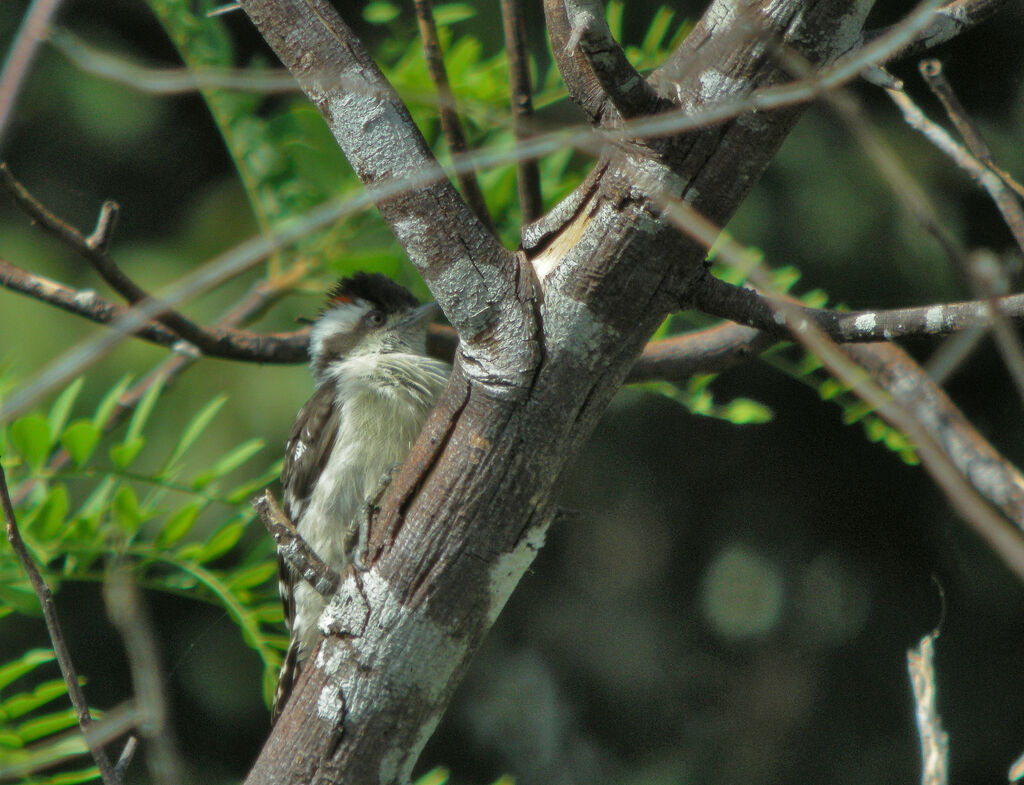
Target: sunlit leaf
x=62 y=405
x=80 y=439
x=177 y=525
x=30 y=436
x=109 y=402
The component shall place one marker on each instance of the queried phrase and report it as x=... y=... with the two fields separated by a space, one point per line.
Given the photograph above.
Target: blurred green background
x=730 y=603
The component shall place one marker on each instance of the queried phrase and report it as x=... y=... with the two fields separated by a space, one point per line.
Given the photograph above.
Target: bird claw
x=370 y=507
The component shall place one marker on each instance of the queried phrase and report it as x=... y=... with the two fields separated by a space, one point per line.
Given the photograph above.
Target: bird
x=373 y=387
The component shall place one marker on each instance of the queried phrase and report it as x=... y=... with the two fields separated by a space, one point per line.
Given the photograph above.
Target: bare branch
x=946 y=23
x=168 y=81
x=941 y=464
x=124 y=607
x=702 y=351
x=934 y=741
x=583 y=86
x=60 y=647
x=293 y=549
x=216 y=344
x=623 y=86
x=451 y=125
x=519 y=90
x=19 y=60
x=224 y=342
x=900 y=376
x=746 y=306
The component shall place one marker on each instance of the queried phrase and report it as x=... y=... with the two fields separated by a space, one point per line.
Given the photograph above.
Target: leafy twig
x=60 y=648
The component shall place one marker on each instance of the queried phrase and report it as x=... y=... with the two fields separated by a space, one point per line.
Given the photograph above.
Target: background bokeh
x=726 y=604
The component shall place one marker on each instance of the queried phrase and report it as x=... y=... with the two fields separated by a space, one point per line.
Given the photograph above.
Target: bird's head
x=367 y=314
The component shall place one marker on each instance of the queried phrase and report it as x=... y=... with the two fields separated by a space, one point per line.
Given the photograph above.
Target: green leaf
x=20 y=597
x=143 y=409
x=744 y=411
x=380 y=12
x=121 y=455
x=52 y=516
x=125 y=510
x=30 y=436
x=223 y=540
x=90 y=774
x=106 y=407
x=193 y=430
x=47 y=725
x=256 y=575
x=177 y=525
x=452 y=13
x=21 y=704
x=62 y=406
x=28 y=662
x=614 y=16
x=80 y=439
x=656 y=32
x=436 y=776
x=228 y=462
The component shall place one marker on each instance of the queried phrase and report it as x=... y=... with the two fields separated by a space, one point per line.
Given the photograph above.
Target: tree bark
x=546 y=338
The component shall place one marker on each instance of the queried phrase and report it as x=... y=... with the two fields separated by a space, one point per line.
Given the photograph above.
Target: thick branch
x=583 y=86
x=623 y=86
x=472 y=277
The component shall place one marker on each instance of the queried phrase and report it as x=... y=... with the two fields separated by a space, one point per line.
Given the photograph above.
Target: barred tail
x=286 y=679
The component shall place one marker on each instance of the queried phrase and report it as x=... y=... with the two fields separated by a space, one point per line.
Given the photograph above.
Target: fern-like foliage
x=179 y=525
x=798 y=364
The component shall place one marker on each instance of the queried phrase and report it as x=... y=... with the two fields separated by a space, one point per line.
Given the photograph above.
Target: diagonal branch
x=519 y=90
x=451 y=125
x=473 y=278
x=224 y=342
x=579 y=79
x=214 y=343
x=623 y=86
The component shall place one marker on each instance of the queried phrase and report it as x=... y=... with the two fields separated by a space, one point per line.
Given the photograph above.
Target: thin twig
x=451 y=125
x=228 y=343
x=1005 y=201
x=947 y=22
x=60 y=648
x=934 y=740
x=106 y=223
x=293 y=549
x=520 y=92
x=168 y=81
x=980 y=157
x=26 y=43
x=749 y=307
x=967 y=499
x=124 y=607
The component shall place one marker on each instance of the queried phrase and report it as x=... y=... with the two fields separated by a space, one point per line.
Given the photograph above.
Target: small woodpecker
x=373 y=386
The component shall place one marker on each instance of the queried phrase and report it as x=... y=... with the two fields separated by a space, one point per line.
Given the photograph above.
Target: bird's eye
x=375 y=318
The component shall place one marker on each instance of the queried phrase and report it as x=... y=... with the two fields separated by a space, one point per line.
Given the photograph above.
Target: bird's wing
x=307 y=451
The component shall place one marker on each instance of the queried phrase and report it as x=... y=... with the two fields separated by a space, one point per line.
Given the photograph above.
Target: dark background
x=729 y=604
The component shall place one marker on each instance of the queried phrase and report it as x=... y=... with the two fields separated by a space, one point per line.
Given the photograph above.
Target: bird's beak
x=422 y=315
